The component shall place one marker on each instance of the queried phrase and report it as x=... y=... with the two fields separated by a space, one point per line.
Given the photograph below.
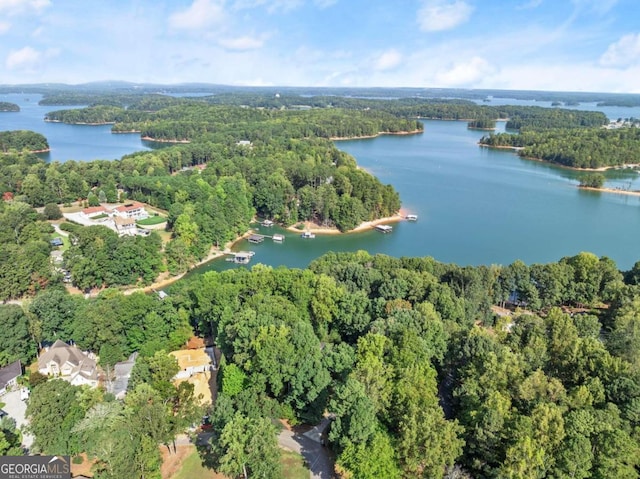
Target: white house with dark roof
x=69 y=363
x=9 y=376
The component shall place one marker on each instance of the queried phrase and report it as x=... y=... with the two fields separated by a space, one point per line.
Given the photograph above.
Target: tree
x=15 y=340
x=53 y=411
x=372 y=460
x=355 y=416
x=248 y=448
x=52 y=211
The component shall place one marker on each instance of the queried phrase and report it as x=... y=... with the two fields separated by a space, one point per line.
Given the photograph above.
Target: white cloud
x=15 y=7
x=23 y=59
x=596 y=6
x=388 y=60
x=622 y=53
x=438 y=15
x=271 y=5
x=242 y=43
x=4 y=27
x=200 y=15
x=465 y=74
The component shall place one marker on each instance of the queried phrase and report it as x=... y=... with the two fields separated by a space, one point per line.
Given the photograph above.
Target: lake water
x=475 y=205
x=68 y=142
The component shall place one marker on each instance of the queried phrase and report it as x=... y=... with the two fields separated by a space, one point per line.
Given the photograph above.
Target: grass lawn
x=192 y=468
x=293 y=466
x=152 y=220
x=65 y=241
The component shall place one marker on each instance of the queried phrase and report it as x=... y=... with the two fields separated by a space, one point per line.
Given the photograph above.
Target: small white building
x=93 y=211
x=192 y=361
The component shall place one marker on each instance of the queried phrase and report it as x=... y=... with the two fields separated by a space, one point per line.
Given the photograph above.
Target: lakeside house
x=125 y=226
x=131 y=209
x=9 y=376
x=69 y=363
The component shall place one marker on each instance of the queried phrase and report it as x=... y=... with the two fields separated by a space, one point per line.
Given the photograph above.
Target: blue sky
x=575 y=45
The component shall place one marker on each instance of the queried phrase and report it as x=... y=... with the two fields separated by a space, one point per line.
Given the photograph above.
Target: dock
x=256 y=239
x=267 y=223
x=241 y=257
x=278 y=238
x=308 y=235
x=411 y=217
x=384 y=228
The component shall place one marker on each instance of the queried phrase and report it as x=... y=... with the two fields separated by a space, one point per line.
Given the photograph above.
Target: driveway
x=16 y=409
x=308 y=444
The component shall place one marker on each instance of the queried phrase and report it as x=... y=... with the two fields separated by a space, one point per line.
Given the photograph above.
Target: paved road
x=16 y=409
x=316 y=455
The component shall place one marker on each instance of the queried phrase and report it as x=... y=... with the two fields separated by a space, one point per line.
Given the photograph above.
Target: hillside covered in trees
x=422 y=377
x=20 y=140
x=576 y=148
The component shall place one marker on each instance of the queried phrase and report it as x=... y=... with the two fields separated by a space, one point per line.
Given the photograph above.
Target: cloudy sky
x=575 y=45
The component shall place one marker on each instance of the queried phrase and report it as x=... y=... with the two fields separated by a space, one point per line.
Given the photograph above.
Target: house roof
x=94 y=209
x=122 y=373
x=9 y=373
x=191 y=358
x=129 y=207
x=61 y=353
x=124 y=221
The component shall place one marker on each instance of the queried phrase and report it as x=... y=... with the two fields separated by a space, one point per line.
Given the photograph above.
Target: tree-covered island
x=8 y=107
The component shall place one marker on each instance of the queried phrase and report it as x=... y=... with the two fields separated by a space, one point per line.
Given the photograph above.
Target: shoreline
x=380 y=133
x=148 y=138
x=626 y=166
x=364 y=226
x=611 y=190
x=30 y=151
x=102 y=123
x=214 y=253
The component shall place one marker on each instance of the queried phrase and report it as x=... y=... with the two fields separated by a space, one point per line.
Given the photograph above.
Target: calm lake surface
x=68 y=142
x=475 y=205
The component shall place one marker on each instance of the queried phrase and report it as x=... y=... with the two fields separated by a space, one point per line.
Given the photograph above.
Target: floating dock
x=278 y=238
x=307 y=235
x=411 y=217
x=267 y=223
x=384 y=228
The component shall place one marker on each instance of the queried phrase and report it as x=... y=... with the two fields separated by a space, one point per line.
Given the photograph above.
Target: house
x=244 y=143
x=133 y=210
x=93 y=211
x=192 y=361
x=9 y=376
x=125 y=226
x=69 y=363
x=122 y=374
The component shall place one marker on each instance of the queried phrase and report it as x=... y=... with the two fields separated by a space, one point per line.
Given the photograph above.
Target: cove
x=475 y=206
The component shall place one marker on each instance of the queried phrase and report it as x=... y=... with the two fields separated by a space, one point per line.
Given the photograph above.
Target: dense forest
x=584 y=148
x=279 y=165
x=6 y=106
x=421 y=376
x=22 y=140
